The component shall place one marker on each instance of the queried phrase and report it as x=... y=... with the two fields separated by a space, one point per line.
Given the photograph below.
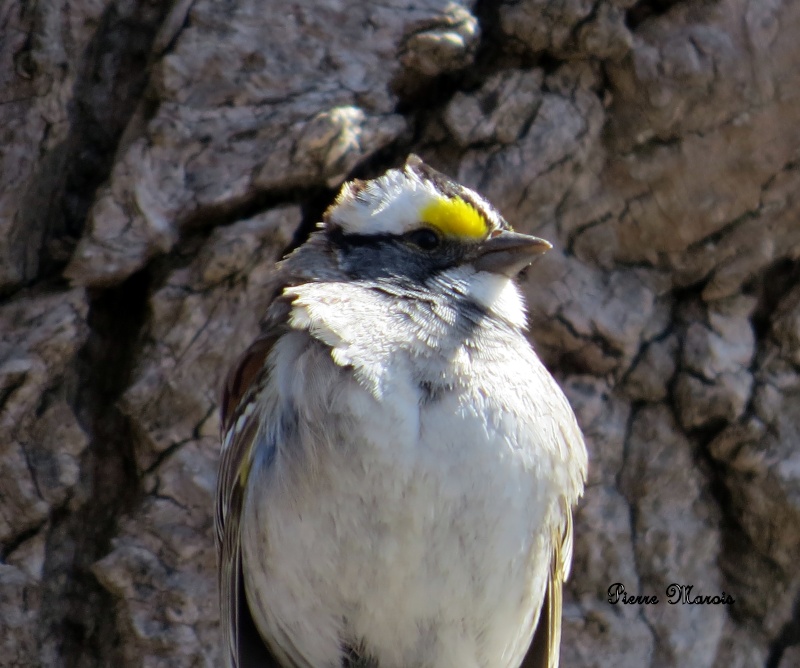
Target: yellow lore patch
x=455 y=218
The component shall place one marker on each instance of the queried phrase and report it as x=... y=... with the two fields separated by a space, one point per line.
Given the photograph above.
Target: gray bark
x=157 y=158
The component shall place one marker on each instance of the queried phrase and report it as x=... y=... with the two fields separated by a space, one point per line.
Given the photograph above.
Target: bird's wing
x=243 y=646
x=546 y=643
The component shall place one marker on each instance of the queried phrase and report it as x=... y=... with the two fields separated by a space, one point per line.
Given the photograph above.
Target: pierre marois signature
x=675 y=594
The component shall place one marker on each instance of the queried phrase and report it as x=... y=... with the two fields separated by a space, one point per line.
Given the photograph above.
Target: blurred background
x=156 y=158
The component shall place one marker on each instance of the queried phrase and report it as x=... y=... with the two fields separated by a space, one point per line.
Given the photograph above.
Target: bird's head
x=416 y=223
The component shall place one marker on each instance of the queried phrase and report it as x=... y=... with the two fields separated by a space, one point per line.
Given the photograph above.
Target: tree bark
x=157 y=158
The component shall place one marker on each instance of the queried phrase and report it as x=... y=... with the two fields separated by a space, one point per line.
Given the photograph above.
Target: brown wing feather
x=546 y=644
x=243 y=376
x=243 y=646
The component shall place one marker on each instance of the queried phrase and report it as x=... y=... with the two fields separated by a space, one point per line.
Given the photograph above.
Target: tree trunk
x=157 y=159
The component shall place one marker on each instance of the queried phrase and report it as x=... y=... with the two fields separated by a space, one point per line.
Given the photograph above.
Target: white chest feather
x=409 y=513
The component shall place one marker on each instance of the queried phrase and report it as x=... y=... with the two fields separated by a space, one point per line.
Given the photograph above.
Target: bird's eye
x=426 y=238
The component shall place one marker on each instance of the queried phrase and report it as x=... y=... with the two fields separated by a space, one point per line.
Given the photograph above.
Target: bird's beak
x=508 y=253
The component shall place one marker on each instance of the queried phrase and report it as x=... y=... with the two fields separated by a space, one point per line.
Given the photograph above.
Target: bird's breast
x=414 y=524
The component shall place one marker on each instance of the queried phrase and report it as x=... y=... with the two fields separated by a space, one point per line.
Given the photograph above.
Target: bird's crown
x=414 y=197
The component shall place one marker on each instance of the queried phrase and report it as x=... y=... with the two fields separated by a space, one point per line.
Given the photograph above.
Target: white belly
x=429 y=545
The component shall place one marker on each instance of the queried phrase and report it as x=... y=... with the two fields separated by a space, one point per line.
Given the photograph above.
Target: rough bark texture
x=157 y=158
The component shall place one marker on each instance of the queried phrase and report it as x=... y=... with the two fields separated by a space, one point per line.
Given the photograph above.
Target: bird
x=398 y=468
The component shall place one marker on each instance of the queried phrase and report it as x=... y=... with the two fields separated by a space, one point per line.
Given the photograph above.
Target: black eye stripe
x=423 y=237
x=339 y=237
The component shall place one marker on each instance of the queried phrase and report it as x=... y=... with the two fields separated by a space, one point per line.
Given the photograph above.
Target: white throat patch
x=500 y=296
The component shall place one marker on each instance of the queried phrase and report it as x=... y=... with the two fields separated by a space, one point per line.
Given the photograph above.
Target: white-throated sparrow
x=398 y=468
